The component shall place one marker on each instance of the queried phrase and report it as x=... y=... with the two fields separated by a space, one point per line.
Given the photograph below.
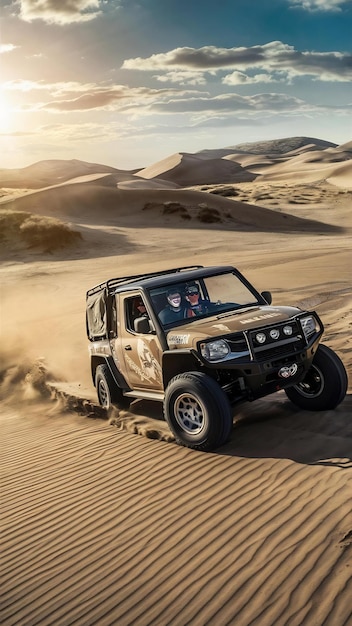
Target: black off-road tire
x=324 y=385
x=197 y=411
x=108 y=392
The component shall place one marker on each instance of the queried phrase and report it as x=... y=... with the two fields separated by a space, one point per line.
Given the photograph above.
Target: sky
x=127 y=83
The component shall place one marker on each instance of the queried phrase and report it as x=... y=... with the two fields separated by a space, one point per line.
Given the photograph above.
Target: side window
x=134 y=308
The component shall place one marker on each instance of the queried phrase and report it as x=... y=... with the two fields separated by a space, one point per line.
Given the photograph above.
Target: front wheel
x=197 y=411
x=324 y=385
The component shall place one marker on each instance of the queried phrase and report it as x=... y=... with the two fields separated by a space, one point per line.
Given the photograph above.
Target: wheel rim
x=313 y=383
x=103 y=394
x=189 y=414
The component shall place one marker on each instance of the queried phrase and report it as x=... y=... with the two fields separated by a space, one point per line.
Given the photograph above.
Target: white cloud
x=239 y=78
x=182 y=78
x=319 y=5
x=7 y=47
x=139 y=102
x=233 y=103
x=59 y=11
x=72 y=97
x=272 y=57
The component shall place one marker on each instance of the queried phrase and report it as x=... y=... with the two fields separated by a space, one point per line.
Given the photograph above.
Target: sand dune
x=45 y=173
x=273 y=148
x=187 y=169
x=308 y=164
x=100 y=201
x=345 y=147
x=105 y=519
x=341 y=176
x=143 y=183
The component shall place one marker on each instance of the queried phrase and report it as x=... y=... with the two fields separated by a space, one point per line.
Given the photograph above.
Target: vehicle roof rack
x=112 y=283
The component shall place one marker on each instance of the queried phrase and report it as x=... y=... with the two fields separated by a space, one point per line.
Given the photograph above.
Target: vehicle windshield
x=180 y=302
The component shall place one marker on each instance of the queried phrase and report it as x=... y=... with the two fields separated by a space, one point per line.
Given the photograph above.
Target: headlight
x=215 y=350
x=274 y=333
x=309 y=325
x=288 y=330
x=260 y=337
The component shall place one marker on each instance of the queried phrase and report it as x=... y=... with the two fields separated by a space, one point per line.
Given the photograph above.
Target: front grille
x=237 y=342
x=279 y=351
x=276 y=348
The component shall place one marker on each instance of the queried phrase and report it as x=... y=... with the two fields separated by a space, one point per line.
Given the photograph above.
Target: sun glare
x=6 y=114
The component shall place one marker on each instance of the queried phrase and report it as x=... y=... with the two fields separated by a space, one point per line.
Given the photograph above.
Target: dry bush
x=172 y=207
x=225 y=191
x=152 y=205
x=175 y=208
x=47 y=232
x=208 y=215
x=168 y=208
x=10 y=222
x=39 y=231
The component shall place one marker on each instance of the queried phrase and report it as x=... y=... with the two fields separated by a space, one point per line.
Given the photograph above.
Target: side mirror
x=267 y=296
x=142 y=325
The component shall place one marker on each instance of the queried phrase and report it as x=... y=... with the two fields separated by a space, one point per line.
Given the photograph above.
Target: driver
x=175 y=310
x=197 y=306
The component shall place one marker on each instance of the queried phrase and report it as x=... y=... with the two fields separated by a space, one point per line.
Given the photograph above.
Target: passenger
x=197 y=306
x=140 y=310
x=175 y=310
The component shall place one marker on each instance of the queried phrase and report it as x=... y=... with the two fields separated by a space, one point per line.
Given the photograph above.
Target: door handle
x=128 y=347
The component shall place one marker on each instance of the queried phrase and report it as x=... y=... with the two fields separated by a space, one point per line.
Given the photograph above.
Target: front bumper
x=252 y=379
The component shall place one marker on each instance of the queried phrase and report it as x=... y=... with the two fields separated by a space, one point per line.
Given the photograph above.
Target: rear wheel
x=108 y=392
x=324 y=385
x=197 y=411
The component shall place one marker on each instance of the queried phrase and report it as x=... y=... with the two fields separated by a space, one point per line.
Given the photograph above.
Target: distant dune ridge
x=185 y=169
x=53 y=172
x=106 y=520
x=74 y=189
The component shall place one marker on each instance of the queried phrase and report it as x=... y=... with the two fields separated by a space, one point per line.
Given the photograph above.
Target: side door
x=141 y=352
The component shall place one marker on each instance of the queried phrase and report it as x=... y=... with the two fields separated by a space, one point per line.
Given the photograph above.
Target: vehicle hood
x=187 y=335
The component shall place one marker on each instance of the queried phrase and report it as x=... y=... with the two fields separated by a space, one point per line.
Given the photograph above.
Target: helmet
x=191 y=289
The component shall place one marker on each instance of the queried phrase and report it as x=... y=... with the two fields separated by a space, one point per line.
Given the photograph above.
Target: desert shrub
x=47 y=233
x=225 y=191
x=152 y=205
x=208 y=215
x=10 y=222
x=35 y=230
x=174 y=207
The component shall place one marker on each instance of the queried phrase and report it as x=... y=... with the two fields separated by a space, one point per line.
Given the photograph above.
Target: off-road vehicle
x=200 y=340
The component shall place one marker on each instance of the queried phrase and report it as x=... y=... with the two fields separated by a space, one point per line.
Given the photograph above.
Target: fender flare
x=179 y=361
x=115 y=373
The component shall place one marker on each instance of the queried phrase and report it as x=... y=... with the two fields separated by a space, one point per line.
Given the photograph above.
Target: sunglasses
x=193 y=291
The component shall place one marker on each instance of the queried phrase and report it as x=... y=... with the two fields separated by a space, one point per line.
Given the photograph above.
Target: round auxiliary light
x=288 y=330
x=274 y=333
x=260 y=337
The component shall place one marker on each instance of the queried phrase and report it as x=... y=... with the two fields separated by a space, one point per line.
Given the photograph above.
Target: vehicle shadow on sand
x=273 y=427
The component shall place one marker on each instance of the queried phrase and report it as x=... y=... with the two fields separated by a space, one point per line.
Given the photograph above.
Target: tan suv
x=200 y=340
